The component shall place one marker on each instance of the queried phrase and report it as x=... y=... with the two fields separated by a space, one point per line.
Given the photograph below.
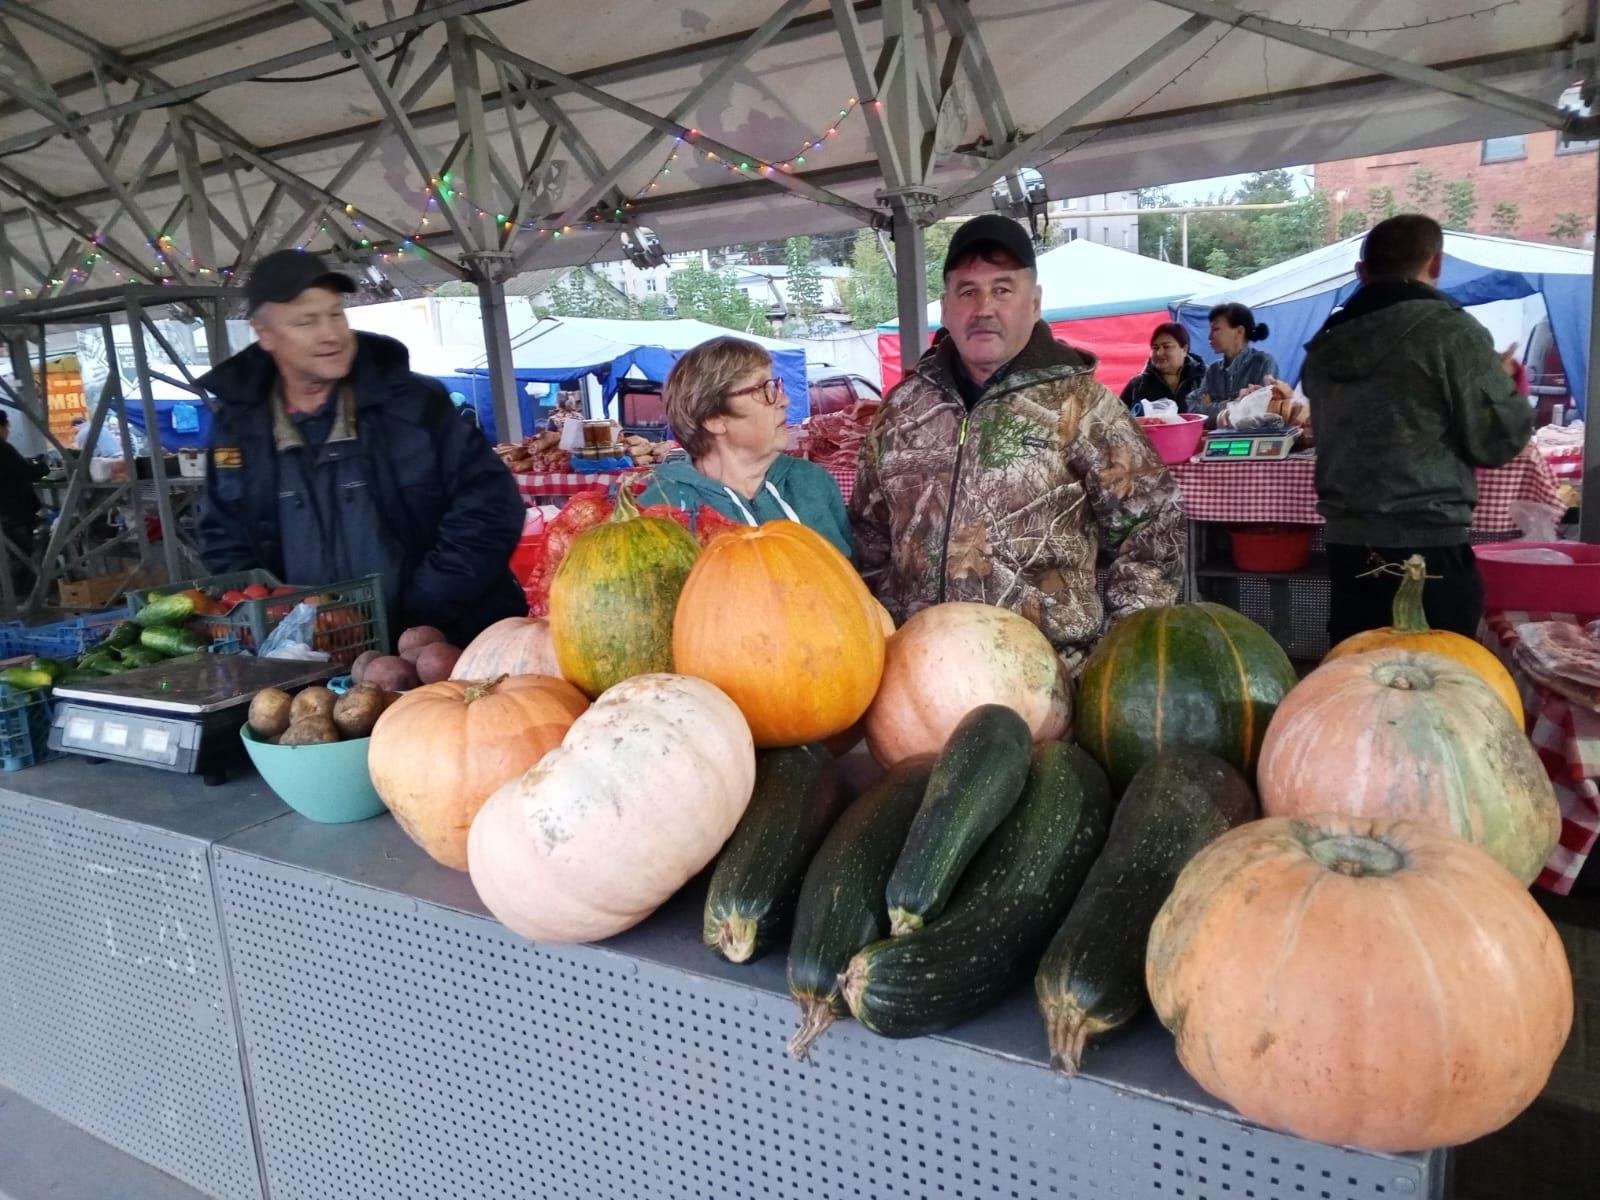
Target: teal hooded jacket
x=794 y=489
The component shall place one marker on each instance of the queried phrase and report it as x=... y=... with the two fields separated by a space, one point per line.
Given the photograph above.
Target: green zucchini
x=169 y=642
x=1091 y=979
x=101 y=662
x=26 y=678
x=976 y=781
x=756 y=884
x=53 y=667
x=140 y=656
x=123 y=636
x=841 y=905
x=166 y=610
x=989 y=938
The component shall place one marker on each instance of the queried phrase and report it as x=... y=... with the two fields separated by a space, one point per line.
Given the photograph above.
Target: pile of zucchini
x=158 y=632
x=933 y=895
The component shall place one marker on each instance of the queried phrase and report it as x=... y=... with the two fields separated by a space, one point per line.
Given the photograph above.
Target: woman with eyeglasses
x=730 y=413
x=1172 y=372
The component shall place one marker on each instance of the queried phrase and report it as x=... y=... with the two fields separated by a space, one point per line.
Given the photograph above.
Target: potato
x=413 y=640
x=269 y=713
x=315 y=700
x=435 y=662
x=313 y=729
x=358 y=669
x=358 y=710
x=392 y=674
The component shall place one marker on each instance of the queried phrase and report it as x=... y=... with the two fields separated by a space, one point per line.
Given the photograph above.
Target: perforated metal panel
x=400 y=1050
x=112 y=990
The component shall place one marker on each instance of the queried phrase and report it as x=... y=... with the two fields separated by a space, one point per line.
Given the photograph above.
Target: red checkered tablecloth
x=565 y=483
x=847 y=480
x=1567 y=738
x=1285 y=491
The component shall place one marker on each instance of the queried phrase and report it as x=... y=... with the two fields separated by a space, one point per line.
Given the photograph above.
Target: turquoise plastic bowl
x=328 y=783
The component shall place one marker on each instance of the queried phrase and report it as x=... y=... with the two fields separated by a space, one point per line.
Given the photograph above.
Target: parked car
x=1547 y=375
x=832 y=390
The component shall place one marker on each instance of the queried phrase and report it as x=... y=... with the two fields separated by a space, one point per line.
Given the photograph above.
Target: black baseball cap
x=284 y=274
x=991 y=229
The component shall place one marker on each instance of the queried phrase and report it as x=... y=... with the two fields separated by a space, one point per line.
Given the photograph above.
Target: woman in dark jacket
x=1172 y=372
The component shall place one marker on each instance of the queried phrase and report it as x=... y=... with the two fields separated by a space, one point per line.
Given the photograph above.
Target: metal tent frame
x=471 y=139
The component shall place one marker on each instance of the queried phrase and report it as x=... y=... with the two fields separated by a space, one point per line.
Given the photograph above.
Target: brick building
x=1550 y=182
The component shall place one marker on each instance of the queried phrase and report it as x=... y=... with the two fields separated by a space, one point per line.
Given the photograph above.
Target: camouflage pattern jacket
x=1009 y=504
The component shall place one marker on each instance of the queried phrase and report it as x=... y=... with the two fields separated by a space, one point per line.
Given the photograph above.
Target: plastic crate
x=355 y=622
x=24 y=726
x=68 y=638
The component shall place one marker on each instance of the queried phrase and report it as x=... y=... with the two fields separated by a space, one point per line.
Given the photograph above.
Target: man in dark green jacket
x=1409 y=395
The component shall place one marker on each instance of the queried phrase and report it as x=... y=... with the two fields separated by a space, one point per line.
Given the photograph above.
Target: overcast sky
x=1199 y=189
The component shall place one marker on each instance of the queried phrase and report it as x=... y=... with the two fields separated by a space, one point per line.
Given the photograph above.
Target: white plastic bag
x=1535 y=520
x=1164 y=412
x=1249 y=411
x=293 y=637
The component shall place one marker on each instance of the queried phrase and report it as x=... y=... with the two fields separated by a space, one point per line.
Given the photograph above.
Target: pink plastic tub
x=1175 y=443
x=1540 y=586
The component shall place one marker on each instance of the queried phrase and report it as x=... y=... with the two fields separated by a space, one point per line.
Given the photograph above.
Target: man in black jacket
x=330 y=459
x=19 y=505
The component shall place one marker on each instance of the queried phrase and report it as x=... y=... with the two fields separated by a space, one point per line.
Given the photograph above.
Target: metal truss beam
x=1547 y=115
x=968 y=45
x=41 y=204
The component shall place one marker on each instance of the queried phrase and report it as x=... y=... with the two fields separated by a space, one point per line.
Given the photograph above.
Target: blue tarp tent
x=1294 y=298
x=563 y=350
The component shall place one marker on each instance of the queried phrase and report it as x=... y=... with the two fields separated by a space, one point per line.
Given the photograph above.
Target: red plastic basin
x=1269 y=548
x=1175 y=443
x=1540 y=587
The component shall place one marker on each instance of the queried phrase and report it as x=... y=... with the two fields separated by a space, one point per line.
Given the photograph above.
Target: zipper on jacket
x=950 y=509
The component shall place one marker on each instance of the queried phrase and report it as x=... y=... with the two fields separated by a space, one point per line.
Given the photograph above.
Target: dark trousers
x=1452 y=599
x=20 y=533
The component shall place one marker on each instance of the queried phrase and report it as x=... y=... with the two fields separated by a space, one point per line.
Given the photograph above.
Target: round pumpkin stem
x=1407 y=615
x=736 y=938
x=1403 y=676
x=815 y=1017
x=627 y=508
x=482 y=688
x=1356 y=856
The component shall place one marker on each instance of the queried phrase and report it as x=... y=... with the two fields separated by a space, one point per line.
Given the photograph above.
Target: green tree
x=1351 y=223
x=579 y=294
x=714 y=297
x=1381 y=204
x=651 y=308
x=870 y=294
x=1422 y=190
x=1266 y=187
x=1218 y=263
x=1505 y=218
x=1568 y=227
x=1460 y=204
x=805 y=288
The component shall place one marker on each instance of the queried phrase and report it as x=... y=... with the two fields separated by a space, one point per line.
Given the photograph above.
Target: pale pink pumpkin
x=513 y=646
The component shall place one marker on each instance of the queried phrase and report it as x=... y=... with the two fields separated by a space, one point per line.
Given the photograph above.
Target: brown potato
x=358 y=710
x=315 y=699
x=313 y=729
x=358 y=669
x=269 y=713
x=435 y=661
x=413 y=640
x=392 y=674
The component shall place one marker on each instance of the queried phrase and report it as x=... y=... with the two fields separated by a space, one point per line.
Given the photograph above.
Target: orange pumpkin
x=1395 y=734
x=440 y=750
x=1410 y=632
x=780 y=621
x=1360 y=982
x=513 y=646
x=951 y=658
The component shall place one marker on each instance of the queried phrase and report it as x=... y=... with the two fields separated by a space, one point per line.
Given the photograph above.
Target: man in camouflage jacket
x=999 y=466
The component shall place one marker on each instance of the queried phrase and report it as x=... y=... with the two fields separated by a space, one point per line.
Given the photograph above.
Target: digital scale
x=182 y=715
x=1231 y=445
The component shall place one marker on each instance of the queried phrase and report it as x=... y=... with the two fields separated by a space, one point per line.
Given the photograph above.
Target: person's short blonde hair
x=697 y=387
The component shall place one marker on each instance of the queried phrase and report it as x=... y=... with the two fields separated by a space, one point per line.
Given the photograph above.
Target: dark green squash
x=1196 y=675
x=1091 y=979
x=756 y=883
x=841 y=905
x=989 y=938
x=976 y=781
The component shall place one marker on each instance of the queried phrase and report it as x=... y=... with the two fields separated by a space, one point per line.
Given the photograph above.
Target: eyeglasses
x=771 y=391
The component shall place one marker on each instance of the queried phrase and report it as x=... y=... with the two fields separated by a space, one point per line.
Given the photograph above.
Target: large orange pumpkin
x=951 y=658
x=780 y=621
x=640 y=795
x=612 y=599
x=1360 y=982
x=1396 y=734
x=513 y=646
x=1410 y=632
x=440 y=750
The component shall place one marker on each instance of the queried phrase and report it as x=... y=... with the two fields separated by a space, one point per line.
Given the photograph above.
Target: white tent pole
x=1589 y=514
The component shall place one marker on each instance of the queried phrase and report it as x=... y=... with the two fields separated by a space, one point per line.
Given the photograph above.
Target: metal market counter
x=261 y=1006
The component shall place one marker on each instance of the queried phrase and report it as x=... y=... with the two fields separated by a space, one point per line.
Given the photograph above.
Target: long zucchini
x=1091 y=979
x=841 y=905
x=990 y=937
x=756 y=884
x=976 y=781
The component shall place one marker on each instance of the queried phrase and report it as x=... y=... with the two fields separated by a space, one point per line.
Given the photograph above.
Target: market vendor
x=998 y=467
x=1242 y=368
x=728 y=410
x=1410 y=396
x=330 y=459
x=1171 y=374
x=19 y=505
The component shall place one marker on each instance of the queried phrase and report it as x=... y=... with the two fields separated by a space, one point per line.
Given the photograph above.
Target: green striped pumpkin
x=612 y=598
x=1196 y=675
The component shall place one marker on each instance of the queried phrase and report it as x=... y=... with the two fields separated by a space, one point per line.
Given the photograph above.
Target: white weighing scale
x=182 y=715
x=1257 y=445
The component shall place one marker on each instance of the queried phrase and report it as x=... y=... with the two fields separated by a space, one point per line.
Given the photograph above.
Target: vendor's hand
x=1508 y=359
